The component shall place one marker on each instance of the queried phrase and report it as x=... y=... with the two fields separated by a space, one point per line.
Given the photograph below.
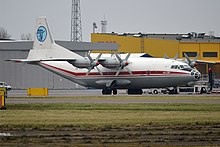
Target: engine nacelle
x=81 y=63
x=111 y=63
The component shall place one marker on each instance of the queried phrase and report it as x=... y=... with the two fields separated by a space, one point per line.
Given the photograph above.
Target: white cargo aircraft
x=107 y=72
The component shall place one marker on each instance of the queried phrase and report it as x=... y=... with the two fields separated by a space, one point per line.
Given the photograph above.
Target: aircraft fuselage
x=146 y=73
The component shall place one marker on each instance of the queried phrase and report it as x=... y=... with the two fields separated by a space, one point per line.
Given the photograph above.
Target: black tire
x=135 y=91
x=155 y=91
x=107 y=91
x=115 y=91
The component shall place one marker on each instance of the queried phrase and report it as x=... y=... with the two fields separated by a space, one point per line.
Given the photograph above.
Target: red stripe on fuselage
x=122 y=73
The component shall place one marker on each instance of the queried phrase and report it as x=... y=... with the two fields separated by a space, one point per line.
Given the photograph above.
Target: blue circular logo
x=41 y=34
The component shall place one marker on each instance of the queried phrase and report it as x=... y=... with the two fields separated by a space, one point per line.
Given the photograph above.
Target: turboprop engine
x=117 y=63
x=87 y=62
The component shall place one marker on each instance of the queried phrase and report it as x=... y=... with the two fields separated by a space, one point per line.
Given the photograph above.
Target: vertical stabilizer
x=44 y=46
x=42 y=36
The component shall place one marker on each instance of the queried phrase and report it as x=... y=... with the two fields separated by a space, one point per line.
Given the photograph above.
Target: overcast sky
x=147 y=16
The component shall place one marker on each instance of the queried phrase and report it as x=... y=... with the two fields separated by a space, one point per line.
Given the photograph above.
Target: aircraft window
x=186 y=66
x=181 y=66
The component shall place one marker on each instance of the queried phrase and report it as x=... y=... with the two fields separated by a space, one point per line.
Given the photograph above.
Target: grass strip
x=99 y=115
x=130 y=106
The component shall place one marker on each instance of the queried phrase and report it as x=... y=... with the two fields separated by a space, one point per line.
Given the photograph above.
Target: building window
x=189 y=54
x=210 y=54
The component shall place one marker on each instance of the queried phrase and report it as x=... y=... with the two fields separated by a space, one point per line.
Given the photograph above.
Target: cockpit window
x=180 y=67
x=174 y=67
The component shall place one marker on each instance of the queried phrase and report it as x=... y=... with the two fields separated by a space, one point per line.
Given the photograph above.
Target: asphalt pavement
x=64 y=96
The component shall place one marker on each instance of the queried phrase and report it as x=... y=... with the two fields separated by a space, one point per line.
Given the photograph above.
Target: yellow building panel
x=209 y=47
x=158 y=48
x=188 y=47
x=126 y=44
x=129 y=44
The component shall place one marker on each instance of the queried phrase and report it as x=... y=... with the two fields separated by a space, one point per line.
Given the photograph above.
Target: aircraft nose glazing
x=196 y=74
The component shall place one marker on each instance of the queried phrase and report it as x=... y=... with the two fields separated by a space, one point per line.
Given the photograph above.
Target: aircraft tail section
x=44 y=46
x=43 y=38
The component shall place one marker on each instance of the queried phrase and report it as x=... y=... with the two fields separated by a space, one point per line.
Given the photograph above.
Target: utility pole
x=76 y=26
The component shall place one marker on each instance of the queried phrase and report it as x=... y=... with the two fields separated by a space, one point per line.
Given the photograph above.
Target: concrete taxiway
x=85 y=97
x=94 y=92
x=104 y=101
x=64 y=96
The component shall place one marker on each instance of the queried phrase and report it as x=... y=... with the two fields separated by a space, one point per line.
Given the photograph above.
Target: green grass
x=99 y=115
x=125 y=107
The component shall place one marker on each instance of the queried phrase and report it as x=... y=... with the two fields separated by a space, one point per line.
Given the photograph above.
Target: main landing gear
x=173 y=91
x=109 y=91
x=135 y=91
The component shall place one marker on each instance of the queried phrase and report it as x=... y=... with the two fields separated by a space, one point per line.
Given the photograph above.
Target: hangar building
x=157 y=45
x=22 y=76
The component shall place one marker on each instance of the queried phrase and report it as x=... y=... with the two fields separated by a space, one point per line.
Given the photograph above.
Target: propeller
x=123 y=63
x=175 y=58
x=93 y=63
x=192 y=63
x=166 y=57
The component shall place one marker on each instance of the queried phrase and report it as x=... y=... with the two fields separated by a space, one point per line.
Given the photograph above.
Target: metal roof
x=187 y=37
x=74 y=46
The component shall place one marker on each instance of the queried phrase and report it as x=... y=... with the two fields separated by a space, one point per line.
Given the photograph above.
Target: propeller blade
x=97 y=58
x=90 y=58
x=166 y=57
x=89 y=71
x=99 y=71
x=118 y=57
x=187 y=58
x=176 y=57
x=119 y=70
x=128 y=70
x=126 y=59
x=196 y=58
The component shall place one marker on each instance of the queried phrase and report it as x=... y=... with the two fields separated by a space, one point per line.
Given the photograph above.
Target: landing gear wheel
x=135 y=91
x=106 y=91
x=114 y=91
x=173 y=91
x=155 y=91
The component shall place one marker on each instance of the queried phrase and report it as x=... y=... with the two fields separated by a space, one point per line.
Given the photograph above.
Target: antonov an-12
x=107 y=72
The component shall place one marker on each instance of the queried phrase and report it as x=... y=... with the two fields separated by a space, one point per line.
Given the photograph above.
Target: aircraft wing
x=207 y=61
x=39 y=60
x=101 y=59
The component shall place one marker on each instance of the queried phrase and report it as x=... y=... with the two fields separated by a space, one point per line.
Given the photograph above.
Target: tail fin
x=43 y=37
x=44 y=46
